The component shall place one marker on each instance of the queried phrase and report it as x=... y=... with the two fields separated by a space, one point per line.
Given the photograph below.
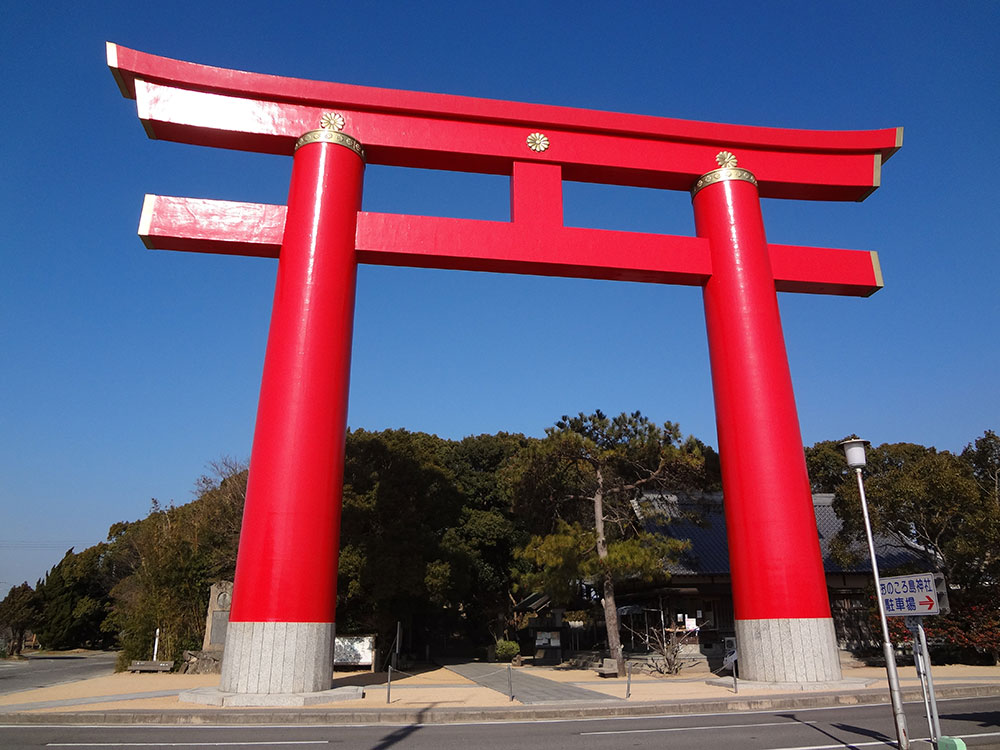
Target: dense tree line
x=445 y=535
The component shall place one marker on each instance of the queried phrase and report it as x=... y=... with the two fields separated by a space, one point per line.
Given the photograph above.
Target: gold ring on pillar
x=326 y=135
x=722 y=175
x=727 y=171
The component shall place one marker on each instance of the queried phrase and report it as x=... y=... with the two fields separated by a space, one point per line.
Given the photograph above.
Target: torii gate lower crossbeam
x=282 y=620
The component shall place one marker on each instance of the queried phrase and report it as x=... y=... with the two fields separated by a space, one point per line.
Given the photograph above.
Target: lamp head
x=855 y=452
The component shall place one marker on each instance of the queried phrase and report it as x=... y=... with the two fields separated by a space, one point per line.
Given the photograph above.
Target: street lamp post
x=855 y=452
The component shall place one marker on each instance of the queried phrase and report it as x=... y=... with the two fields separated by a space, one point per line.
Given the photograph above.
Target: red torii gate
x=283 y=612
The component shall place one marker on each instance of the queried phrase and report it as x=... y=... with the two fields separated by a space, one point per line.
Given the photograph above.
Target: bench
x=609 y=668
x=150 y=666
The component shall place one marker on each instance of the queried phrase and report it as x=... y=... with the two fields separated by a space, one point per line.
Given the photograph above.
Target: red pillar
x=783 y=623
x=284 y=597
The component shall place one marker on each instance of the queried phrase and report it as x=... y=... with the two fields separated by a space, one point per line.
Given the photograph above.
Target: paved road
x=42 y=671
x=977 y=720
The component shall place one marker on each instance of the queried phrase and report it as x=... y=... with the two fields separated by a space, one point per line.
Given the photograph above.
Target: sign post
x=914 y=597
x=922 y=661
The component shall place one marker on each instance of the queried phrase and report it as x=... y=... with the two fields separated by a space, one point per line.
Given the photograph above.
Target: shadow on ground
x=377 y=678
x=848 y=728
x=403 y=732
x=982 y=718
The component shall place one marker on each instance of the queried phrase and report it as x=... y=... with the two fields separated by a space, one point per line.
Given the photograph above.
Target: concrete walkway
x=529 y=689
x=470 y=692
x=85 y=700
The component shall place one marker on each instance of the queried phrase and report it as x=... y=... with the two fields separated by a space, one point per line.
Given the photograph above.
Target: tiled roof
x=701 y=520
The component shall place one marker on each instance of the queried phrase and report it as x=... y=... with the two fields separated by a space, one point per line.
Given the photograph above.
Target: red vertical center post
x=281 y=631
x=783 y=625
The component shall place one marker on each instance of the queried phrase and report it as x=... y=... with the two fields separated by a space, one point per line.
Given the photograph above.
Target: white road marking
x=694 y=729
x=185 y=744
x=851 y=746
x=882 y=744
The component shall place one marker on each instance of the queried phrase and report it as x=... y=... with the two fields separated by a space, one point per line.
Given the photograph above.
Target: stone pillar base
x=788 y=650
x=215 y=697
x=278 y=657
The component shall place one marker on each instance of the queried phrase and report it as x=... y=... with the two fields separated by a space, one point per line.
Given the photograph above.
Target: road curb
x=536 y=712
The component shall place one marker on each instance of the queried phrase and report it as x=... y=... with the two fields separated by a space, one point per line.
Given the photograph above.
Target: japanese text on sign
x=909 y=595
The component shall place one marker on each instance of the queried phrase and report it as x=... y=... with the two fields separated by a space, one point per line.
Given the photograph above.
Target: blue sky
x=124 y=371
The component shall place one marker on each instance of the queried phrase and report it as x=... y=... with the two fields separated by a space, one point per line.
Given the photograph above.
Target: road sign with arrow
x=911 y=595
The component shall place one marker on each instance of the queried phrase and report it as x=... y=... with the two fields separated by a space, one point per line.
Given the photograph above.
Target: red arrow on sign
x=928 y=602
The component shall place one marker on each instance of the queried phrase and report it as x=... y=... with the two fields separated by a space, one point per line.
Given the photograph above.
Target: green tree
x=167 y=588
x=18 y=611
x=165 y=564
x=928 y=502
x=486 y=533
x=74 y=599
x=827 y=465
x=400 y=500
x=580 y=488
x=983 y=455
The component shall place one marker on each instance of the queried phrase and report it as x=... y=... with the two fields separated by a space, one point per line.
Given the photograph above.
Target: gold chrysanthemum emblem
x=725 y=159
x=538 y=142
x=332 y=121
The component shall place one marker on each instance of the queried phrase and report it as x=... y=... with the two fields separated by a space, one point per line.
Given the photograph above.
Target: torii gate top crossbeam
x=203 y=105
x=200 y=105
